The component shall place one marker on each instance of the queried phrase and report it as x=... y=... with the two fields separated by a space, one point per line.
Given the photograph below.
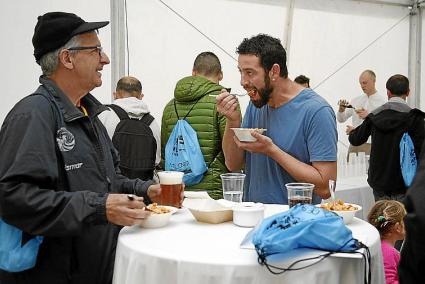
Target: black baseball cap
x=54 y=29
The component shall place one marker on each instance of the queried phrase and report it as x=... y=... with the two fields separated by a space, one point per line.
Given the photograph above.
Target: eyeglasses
x=78 y=48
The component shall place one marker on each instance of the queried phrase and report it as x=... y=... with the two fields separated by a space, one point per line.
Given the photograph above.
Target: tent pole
x=287 y=31
x=118 y=52
x=383 y=2
x=415 y=45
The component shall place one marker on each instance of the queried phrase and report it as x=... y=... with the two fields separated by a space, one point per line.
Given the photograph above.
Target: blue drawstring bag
x=305 y=226
x=15 y=256
x=183 y=152
x=408 y=161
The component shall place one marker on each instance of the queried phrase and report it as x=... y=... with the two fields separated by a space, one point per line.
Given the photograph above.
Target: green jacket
x=206 y=121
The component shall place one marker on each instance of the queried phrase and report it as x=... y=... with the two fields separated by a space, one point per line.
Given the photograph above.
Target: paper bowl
x=158 y=220
x=208 y=211
x=347 y=215
x=244 y=134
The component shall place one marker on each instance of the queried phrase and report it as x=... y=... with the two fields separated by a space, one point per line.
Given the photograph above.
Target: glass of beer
x=299 y=192
x=171 y=188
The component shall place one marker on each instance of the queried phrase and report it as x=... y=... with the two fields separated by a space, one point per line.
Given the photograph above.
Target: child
x=387 y=216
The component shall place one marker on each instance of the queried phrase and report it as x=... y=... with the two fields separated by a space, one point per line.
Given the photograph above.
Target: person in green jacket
x=198 y=91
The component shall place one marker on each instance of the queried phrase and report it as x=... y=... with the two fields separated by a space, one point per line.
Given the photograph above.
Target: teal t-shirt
x=304 y=127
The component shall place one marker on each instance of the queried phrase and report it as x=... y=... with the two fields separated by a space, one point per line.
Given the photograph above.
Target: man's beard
x=264 y=94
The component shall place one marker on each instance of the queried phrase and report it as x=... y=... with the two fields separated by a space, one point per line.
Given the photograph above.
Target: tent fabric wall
x=325 y=35
x=20 y=72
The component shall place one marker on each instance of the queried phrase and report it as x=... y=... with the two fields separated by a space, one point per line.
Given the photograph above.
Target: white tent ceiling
x=415 y=33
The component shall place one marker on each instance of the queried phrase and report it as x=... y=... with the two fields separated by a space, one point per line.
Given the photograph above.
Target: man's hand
x=362 y=113
x=342 y=103
x=154 y=192
x=263 y=144
x=349 y=129
x=227 y=105
x=120 y=210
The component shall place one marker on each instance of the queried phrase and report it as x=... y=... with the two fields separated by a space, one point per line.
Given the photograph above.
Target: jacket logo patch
x=65 y=140
x=73 y=166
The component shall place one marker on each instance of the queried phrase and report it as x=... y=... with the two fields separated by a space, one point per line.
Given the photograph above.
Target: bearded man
x=300 y=143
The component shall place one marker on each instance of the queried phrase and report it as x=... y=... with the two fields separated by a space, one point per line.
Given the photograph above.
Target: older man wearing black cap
x=58 y=176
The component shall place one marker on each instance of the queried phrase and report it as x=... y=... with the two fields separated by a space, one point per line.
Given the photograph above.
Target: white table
x=356 y=190
x=189 y=252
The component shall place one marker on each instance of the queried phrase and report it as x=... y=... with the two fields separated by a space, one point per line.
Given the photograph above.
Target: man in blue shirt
x=300 y=142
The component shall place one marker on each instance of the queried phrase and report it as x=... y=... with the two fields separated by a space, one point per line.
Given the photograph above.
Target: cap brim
x=88 y=27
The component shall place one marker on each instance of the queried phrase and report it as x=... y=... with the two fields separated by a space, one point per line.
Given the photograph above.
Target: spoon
x=332 y=190
x=236 y=95
x=131 y=197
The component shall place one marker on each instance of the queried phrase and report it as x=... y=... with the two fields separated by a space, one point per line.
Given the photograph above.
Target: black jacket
x=412 y=259
x=386 y=125
x=55 y=184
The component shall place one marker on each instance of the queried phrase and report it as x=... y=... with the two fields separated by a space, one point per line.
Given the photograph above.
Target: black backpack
x=134 y=140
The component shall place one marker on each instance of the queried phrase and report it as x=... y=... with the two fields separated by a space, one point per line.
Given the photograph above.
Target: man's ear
x=193 y=73
x=220 y=76
x=274 y=72
x=408 y=93
x=66 y=59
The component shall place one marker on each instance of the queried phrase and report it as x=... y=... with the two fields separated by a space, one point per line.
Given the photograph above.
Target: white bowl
x=347 y=215
x=244 y=134
x=248 y=214
x=158 y=220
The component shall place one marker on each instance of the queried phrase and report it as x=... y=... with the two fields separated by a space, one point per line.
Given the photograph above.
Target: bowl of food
x=345 y=210
x=244 y=134
x=159 y=217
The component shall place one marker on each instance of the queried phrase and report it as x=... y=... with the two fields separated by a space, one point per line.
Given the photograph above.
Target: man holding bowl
x=300 y=143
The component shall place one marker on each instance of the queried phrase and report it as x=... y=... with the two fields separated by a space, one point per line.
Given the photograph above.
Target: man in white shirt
x=360 y=107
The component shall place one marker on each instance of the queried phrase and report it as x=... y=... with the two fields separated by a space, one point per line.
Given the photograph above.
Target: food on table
x=158 y=209
x=256 y=129
x=339 y=205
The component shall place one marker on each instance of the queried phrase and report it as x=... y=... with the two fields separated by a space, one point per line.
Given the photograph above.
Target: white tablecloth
x=188 y=252
x=356 y=190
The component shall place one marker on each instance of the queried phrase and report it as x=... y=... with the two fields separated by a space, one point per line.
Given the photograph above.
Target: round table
x=189 y=252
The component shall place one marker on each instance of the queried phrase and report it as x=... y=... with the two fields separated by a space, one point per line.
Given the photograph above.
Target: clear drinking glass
x=171 y=188
x=299 y=192
x=232 y=184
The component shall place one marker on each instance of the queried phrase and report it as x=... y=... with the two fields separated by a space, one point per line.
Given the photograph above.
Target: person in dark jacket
x=198 y=91
x=386 y=125
x=59 y=175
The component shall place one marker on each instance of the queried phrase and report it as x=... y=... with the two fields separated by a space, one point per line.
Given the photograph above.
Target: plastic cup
x=171 y=188
x=232 y=184
x=299 y=193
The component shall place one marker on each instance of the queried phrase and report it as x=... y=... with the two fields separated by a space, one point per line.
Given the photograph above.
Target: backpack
x=183 y=153
x=305 y=226
x=19 y=251
x=408 y=161
x=15 y=254
x=134 y=140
